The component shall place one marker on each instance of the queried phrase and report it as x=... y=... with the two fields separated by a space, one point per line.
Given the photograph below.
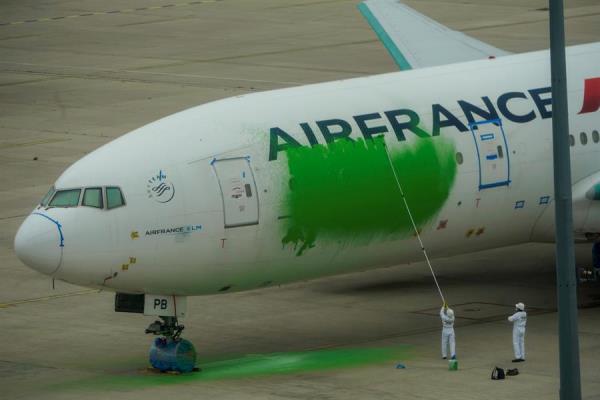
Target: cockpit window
x=66 y=198
x=114 y=198
x=92 y=197
x=47 y=197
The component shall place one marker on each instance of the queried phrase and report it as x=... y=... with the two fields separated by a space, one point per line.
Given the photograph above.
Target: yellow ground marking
x=125 y=267
x=470 y=232
x=46 y=298
x=125 y=10
x=132 y=260
x=134 y=235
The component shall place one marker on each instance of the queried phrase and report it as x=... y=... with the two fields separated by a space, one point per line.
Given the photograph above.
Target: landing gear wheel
x=170 y=352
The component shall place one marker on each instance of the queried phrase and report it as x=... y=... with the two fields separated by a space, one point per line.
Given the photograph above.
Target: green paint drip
x=347 y=190
x=251 y=366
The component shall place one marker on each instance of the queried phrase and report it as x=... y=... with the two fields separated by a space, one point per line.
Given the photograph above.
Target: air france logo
x=591 y=96
x=160 y=189
x=518 y=107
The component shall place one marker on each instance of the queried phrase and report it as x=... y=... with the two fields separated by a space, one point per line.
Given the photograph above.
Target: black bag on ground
x=497 y=373
x=512 y=372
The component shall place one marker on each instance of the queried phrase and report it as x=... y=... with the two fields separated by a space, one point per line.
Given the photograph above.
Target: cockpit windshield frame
x=102 y=204
x=99 y=204
x=118 y=190
x=47 y=197
x=58 y=194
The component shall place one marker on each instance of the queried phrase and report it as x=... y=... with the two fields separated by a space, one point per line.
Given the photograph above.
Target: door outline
x=498 y=122
x=253 y=180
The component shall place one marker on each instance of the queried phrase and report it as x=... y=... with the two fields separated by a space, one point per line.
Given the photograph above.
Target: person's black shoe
x=443 y=358
x=516 y=360
x=521 y=360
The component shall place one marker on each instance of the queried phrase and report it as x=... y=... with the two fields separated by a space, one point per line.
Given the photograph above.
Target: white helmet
x=520 y=306
x=450 y=313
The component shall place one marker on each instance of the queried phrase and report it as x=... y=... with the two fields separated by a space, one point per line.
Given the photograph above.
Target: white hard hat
x=520 y=306
x=450 y=313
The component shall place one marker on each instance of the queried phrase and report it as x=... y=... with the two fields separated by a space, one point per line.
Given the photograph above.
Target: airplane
x=275 y=187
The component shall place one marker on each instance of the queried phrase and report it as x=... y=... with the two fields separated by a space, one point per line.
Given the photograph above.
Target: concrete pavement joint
x=31 y=143
x=13 y=216
x=127 y=10
x=531 y=21
x=125 y=71
x=51 y=297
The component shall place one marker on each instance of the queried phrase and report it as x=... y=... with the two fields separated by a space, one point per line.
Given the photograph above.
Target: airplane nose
x=39 y=243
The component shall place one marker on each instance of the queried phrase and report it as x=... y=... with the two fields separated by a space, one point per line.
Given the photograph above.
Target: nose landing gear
x=169 y=352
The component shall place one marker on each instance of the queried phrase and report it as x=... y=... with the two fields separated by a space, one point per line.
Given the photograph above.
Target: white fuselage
x=226 y=163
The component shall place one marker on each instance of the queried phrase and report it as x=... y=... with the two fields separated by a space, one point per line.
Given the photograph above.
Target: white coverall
x=448 y=338
x=519 y=320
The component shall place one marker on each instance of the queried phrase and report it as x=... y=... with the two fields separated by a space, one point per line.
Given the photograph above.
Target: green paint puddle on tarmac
x=346 y=191
x=251 y=366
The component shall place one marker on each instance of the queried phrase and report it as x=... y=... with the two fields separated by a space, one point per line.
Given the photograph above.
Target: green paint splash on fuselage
x=347 y=190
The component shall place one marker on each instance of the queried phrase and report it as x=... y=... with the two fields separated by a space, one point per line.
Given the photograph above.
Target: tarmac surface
x=75 y=75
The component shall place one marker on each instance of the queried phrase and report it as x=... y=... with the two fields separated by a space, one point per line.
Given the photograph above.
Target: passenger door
x=238 y=191
x=492 y=153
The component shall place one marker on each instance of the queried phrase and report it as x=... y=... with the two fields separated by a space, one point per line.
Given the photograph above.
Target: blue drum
x=177 y=355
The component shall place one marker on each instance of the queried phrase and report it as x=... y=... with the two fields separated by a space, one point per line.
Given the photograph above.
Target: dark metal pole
x=568 y=342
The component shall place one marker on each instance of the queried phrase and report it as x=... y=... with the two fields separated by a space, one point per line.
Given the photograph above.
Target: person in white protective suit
x=519 y=320
x=448 y=339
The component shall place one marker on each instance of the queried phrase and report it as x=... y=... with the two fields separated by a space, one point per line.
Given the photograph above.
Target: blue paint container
x=172 y=355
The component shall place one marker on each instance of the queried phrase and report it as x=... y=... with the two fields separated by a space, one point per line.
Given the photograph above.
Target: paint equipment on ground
x=453 y=365
x=177 y=355
x=414 y=225
x=497 y=374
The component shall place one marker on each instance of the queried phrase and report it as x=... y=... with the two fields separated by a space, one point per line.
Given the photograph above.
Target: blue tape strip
x=58 y=225
x=495 y=184
x=384 y=37
x=497 y=122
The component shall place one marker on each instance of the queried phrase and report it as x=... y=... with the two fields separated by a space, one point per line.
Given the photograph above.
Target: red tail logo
x=591 y=96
